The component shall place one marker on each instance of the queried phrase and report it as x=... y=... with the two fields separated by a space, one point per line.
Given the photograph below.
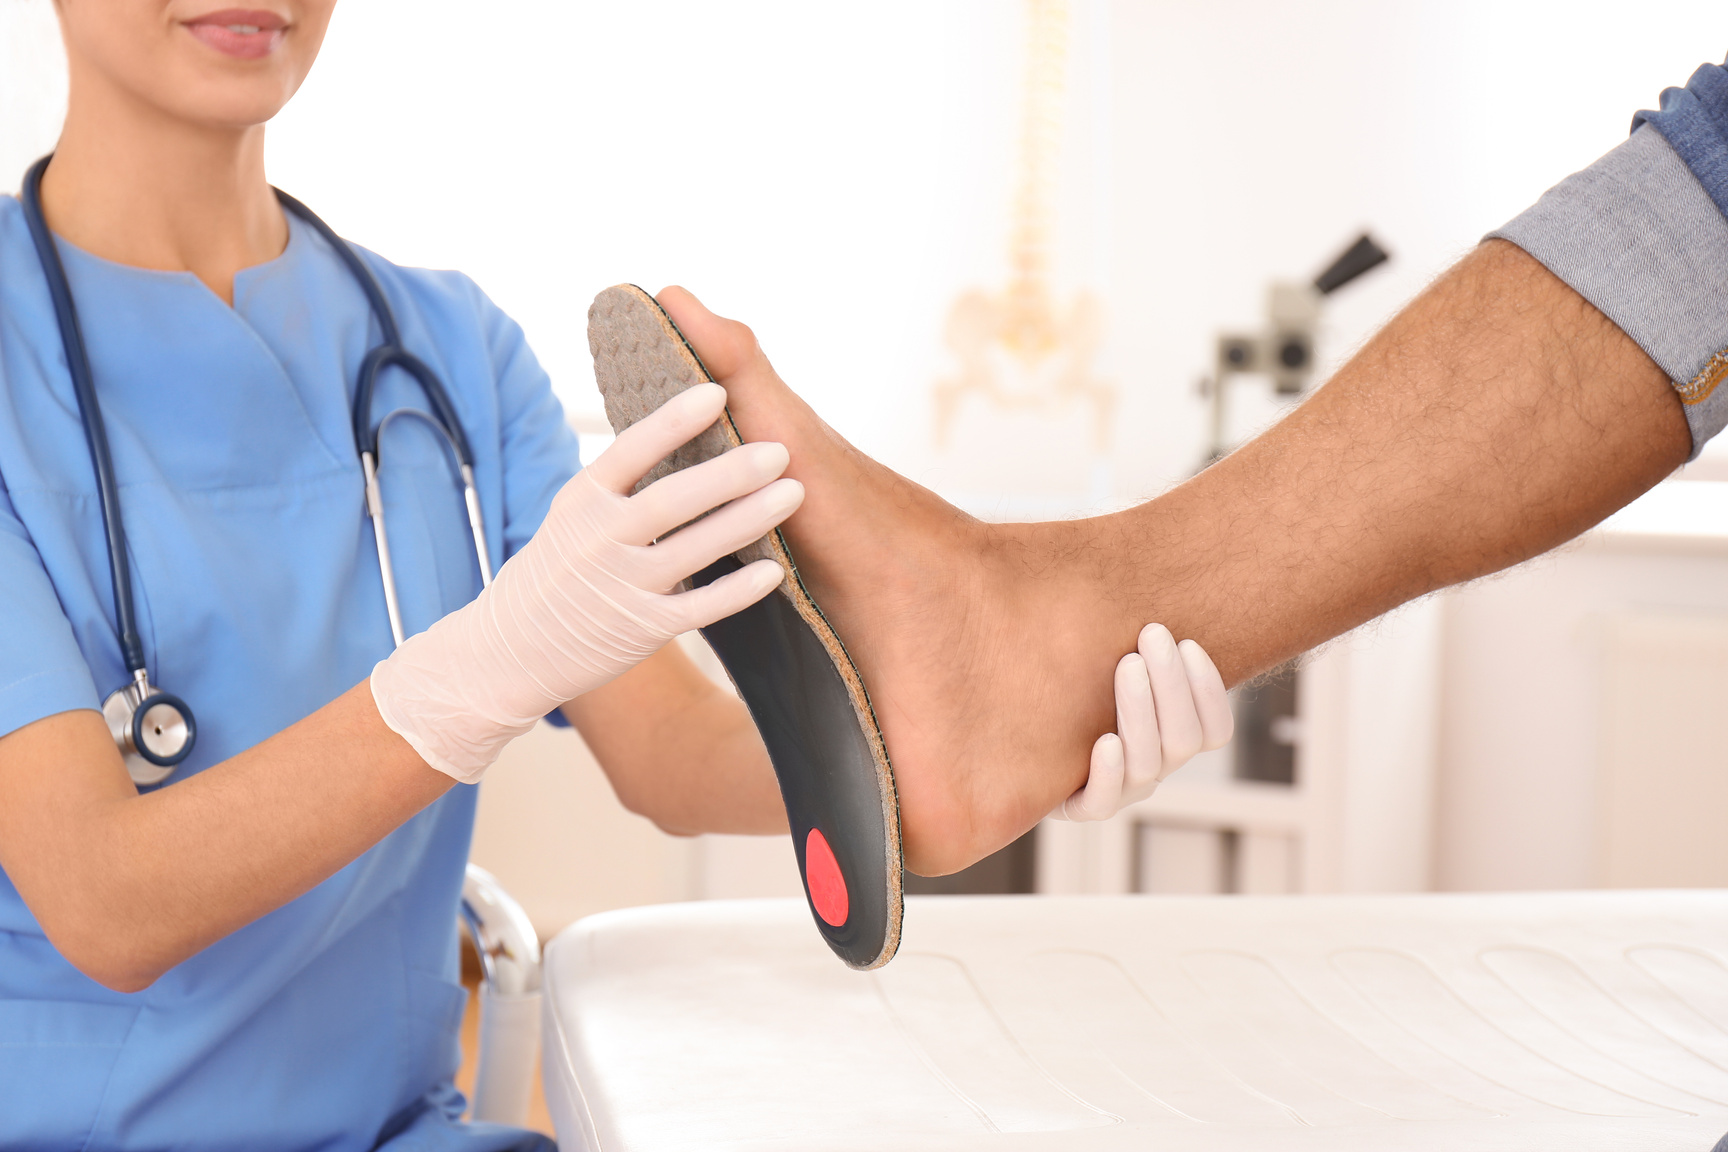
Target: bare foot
x=975 y=640
x=1496 y=416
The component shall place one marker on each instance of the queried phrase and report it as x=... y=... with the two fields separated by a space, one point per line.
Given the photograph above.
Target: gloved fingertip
x=1211 y=699
x=730 y=594
x=691 y=410
x=774 y=454
x=766 y=459
x=706 y=397
x=1193 y=654
x=769 y=567
x=760 y=577
x=1133 y=686
x=788 y=496
x=1078 y=808
x=1156 y=644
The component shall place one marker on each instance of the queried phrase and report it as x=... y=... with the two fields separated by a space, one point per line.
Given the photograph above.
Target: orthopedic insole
x=801 y=688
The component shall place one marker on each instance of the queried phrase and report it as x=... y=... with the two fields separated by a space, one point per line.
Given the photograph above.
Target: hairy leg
x=1494 y=418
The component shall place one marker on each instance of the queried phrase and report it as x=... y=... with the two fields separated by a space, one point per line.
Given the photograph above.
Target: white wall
x=835 y=174
x=32 y=85
x=797 y=165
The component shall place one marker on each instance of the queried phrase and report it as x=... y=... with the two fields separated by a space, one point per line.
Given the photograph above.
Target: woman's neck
x=136 y=186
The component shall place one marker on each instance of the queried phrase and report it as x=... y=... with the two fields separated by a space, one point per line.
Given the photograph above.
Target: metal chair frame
x=509 y=951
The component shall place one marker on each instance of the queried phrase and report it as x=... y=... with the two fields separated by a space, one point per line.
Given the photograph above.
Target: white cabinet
x=1584 y=735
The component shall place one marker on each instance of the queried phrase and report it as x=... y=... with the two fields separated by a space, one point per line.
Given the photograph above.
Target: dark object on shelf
x=1357 y=259
x=1283 y=351
x=1266 y=728
x=1011 y=871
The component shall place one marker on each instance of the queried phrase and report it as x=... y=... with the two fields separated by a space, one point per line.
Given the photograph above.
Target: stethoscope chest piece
x=154 y=730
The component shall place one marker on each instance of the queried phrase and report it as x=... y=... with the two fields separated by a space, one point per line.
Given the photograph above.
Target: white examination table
x=1565 y=1021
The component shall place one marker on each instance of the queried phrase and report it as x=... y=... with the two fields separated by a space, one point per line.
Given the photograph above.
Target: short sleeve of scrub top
x=331 y=1022
x=41 y=669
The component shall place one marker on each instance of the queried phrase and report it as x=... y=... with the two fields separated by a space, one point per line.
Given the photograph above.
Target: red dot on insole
x=822 y=879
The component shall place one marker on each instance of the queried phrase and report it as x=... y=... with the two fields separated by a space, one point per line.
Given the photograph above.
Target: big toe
x=725 y=346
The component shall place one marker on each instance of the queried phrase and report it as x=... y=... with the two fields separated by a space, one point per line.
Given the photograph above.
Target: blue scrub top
x=330 y=1023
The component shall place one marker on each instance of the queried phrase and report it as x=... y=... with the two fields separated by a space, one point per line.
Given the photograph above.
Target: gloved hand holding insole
x=1170 y=705
x=594 y=592
x=790 y=668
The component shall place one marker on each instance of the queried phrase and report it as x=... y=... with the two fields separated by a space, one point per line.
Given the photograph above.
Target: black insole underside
x=827 y=774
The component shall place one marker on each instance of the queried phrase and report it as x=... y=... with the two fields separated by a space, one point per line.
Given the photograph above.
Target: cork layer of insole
x=807 y=699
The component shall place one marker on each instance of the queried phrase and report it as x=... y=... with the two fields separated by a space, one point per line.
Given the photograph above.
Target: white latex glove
x=1170 y=704
x=593 y=593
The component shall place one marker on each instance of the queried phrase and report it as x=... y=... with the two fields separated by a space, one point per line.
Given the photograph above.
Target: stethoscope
x=155 y=730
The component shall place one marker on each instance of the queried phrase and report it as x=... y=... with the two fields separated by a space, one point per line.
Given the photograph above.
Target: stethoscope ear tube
x=356 y=268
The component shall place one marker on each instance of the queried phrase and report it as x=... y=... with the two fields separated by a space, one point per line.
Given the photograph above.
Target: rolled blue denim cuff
x=1694 y=120
x=1637 y=235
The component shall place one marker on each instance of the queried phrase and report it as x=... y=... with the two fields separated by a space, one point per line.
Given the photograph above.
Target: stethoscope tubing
x=95 y=431
x=388 y=354
x=391 y=354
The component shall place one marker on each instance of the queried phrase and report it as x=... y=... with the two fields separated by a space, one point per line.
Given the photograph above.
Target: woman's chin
x=227 y=102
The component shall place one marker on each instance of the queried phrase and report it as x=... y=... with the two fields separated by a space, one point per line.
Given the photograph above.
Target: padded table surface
x=1563 y=1021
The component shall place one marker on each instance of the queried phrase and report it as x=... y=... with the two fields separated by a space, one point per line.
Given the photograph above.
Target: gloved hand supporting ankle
x=1170 y=705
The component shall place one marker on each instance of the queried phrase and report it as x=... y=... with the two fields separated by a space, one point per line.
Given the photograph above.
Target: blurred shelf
x=1241 y=804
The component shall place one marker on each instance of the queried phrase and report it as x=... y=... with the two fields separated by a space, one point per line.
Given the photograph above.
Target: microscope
x=1284 y=349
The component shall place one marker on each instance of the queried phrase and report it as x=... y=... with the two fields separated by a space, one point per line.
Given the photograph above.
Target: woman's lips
x=245 y=34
